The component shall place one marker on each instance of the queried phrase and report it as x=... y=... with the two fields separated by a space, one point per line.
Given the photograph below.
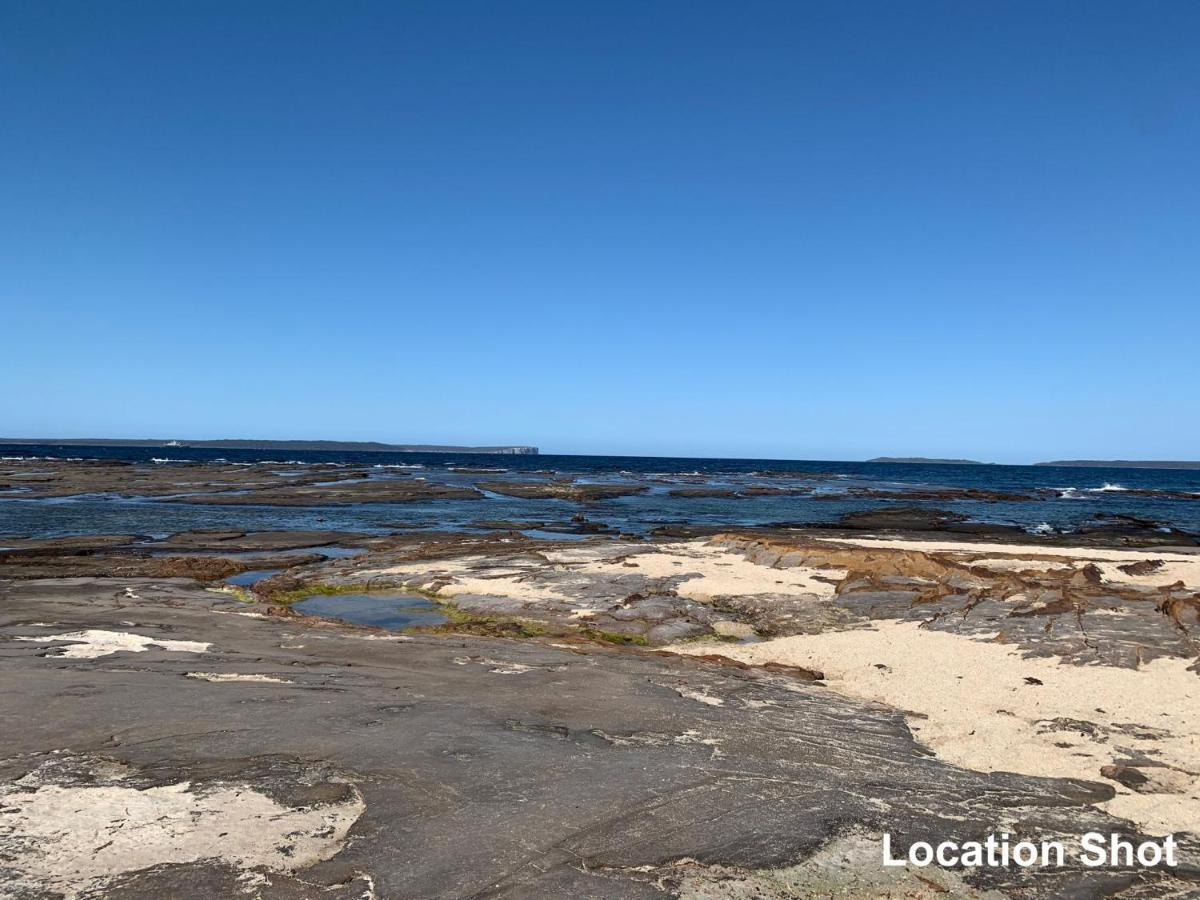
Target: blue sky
x=797 y=230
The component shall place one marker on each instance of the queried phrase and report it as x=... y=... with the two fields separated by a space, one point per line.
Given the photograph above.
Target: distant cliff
x=928 y=461
x=1123 y=463
x=336 y=446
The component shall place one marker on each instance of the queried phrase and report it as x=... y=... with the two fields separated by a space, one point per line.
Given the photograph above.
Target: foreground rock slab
x=283 y=757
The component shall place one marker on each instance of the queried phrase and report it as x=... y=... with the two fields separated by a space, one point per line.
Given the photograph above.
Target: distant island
x=928 y=461
x=338 y=446
x=1123 y=463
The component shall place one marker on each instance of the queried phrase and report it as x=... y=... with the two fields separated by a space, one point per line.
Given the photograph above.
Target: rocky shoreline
x=703 y=718
x=290 y=483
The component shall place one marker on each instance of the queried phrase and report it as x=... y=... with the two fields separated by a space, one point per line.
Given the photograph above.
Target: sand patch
x=225 y=677
x=847 y=867
x=984 y=713
x=699 y=697
x=73 y=840
x=710 y=572
x=463 y=579
x=94 y=643
x=512 y=586
x=501 y=667
x=705 y=572
x=379 y=637
x=1015 y=564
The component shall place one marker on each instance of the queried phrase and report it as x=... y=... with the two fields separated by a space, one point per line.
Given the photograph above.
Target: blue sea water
x=1079 y=493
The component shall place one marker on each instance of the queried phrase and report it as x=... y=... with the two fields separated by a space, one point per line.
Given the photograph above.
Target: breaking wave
x=1069 y=493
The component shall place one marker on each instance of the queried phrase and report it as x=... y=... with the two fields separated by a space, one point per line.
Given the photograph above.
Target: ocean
x=1066 y=498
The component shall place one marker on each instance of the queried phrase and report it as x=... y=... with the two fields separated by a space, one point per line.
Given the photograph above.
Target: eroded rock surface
x=72 y=477
x=1050 y=620
x=459 y=766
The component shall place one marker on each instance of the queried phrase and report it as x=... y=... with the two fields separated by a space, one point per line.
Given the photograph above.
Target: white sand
x=400 y=638
x=716 y=572
x=97 y=642
x=699 y=697
x=708 y=572
x=983 y=715
x=225 y=677
x=847 y=868
x=464 y=580
x=501 y=667
x=74 y=839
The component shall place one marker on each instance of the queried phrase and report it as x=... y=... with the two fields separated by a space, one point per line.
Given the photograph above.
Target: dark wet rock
x=143 y=565
x=1159 y=494
x=675 y=531
x=65 y=478
x=349 y=493
x=244 y=542
x=560 y=490
x=64 y=546
x=878 y=604
x=574 y=527
x=979 y=495
x=206 y=555
x=1103 y=531
x=1183 y=611
x=1143 y=567
x=1130 y=777
x=778 y=615
x=900 y=518
x=762 y=490
x=703 y=492
x=756 y=490
x=1134 y=531
x=505 y=525
x=488 y=605
x=676 y=630
x=775 y=473
x=919 y=519
x=578 y=525
x=976 y=494
x=225 y=484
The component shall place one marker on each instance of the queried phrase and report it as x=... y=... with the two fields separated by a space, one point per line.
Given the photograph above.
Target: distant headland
x=928 y=461
x=336 y=446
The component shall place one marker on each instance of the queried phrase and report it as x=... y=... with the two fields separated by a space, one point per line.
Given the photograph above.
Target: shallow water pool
x=392 y=610
x=245 y=579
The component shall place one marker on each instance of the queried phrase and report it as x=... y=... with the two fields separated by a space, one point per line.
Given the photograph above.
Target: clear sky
x=781 y=229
